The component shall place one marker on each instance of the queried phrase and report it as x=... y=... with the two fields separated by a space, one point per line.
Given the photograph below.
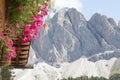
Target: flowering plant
x=24 y=17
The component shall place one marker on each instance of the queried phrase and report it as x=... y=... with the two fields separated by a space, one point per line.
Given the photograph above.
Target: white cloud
x=68 y=3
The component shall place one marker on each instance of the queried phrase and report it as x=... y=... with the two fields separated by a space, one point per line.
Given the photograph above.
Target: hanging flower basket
x=22 y=54
x=23 y=21
x=22 y=51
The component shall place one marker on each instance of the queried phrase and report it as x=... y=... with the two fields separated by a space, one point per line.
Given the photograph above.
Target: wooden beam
x=2 y=14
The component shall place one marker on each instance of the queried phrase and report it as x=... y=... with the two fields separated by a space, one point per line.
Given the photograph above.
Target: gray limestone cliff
x=70 y=36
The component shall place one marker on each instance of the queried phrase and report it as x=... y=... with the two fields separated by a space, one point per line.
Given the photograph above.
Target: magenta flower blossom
x=20 y=8
x=1 y=35
x=32 y=30
x=37 y=18
x=11 y=54
x=27 y=30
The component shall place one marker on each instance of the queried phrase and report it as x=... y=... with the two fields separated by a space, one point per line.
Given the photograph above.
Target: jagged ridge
x=69 y=36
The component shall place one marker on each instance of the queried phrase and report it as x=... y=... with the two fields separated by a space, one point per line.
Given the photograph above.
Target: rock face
x=69 y=36
x=106 y=29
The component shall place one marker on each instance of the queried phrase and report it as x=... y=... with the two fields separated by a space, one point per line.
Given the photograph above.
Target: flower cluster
x=31 y=30
x=12 y=50
x=7 y=48
x=24 y=21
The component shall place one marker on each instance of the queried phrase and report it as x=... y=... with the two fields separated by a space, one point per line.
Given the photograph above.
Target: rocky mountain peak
x=70 y=14
x=70 y=37
x=112 y=22
x=119 y=24
x=104 y=19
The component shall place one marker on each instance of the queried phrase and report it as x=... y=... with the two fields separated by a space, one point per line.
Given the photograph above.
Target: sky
x=110 y=8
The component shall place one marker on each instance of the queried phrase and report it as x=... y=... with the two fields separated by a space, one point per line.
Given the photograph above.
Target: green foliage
x=20 y=13
x=5 y=73
x=115 y=77
x=4 y=51
x=86 y=78
x=23 y=16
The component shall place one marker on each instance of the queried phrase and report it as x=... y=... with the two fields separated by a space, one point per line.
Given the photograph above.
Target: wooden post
x=2 y=19
x=2 y=14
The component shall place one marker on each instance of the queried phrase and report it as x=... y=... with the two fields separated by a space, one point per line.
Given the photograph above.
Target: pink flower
x=45 y=5
x=32 y=30
x=20 y=8
x=9 y=42
x=13 y=50
x=32 y=36
x=35 y=31
x=40 y=22
x=9 y=58
x=37 y=18
x=11 y=54
x=27 y=29
x=44 y=12
x=1 y=35
x=35 y=26
x=25 y=39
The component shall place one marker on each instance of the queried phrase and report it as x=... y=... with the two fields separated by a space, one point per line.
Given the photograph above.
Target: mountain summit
x=70 y=36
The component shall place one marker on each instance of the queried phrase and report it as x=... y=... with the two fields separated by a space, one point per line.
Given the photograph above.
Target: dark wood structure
x=22 y=49
x=22 y=54
x=2 y=13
